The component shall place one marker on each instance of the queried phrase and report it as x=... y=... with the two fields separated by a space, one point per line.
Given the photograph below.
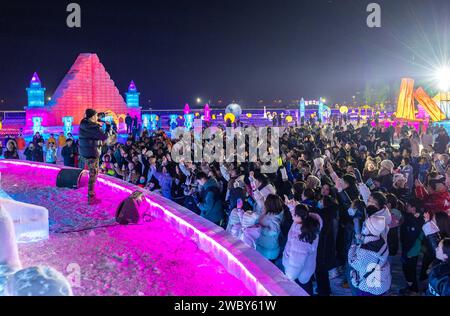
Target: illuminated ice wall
x=86 y=85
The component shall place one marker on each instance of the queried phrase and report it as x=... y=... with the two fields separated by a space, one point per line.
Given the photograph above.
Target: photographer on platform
x=91 y=137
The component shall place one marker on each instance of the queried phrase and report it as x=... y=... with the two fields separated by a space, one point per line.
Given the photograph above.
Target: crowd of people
x=346 y=198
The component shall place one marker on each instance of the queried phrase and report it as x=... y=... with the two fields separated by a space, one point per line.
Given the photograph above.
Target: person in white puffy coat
x=300 y=253
x=268 y=242
x=368 y=259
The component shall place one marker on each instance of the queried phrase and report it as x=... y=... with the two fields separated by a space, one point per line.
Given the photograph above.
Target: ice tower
x=36 y=94
x=132 y=96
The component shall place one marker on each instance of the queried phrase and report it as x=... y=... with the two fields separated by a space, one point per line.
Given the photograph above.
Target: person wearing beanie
x=91 y=137
x=68 y=153
x=385 y=176
x=370 y=272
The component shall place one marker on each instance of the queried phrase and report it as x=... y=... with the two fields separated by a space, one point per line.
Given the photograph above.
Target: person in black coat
x=129 y=123
x=30 y=152
x=411 y=237
x=68 y=153
x=91 y=136
x=326 y=251
x=39 y=151
x=11 y=150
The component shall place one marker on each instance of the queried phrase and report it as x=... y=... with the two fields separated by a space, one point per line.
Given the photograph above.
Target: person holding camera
x=209 y=201
x=91 y=137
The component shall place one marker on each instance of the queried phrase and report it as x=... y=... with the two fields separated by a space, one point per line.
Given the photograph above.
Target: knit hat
x=90 y=113
x=376 y=225
x=38 y=281
x=387 y=164
x=315 y=182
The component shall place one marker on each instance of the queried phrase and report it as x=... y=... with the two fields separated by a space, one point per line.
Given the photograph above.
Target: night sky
x=240 y=50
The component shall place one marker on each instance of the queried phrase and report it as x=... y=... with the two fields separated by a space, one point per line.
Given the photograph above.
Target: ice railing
x=259 y=275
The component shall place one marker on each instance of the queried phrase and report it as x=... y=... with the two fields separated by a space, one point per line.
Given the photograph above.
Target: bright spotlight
x=199 y=100
x=443 y=78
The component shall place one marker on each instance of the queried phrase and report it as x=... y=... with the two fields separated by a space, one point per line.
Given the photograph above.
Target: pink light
x=202 y=235
x=187 y=109
x=31 y=165
x=207 y=237
x=207 y=113
x=261 y=290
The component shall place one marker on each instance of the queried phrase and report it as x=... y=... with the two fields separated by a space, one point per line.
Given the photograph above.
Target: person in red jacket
x=436 y=196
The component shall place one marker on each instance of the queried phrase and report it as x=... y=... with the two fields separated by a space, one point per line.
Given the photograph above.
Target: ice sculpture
x=9 y=254
x=30 y=221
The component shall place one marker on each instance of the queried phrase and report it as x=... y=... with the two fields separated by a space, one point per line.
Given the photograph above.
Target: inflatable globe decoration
x=234 y=109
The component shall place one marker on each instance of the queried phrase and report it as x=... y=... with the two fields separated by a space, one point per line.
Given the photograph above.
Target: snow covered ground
x=147 y=259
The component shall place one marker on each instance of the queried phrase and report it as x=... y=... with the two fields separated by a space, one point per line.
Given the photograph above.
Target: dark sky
x=231 y=49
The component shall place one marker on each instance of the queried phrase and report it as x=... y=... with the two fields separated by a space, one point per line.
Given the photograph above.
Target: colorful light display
x=36 y=93
x=302 y=107
x=132 y=96
x=229 y=117
x=207 y=113
x=187 y=109
x=153 y=122
x=405 y=107
x=37 y=125
x=67 y=121
x=188 y=121
x=146 y=121
x=321 y=108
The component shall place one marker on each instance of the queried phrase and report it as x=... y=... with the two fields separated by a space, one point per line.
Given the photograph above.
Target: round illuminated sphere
x=234 y=109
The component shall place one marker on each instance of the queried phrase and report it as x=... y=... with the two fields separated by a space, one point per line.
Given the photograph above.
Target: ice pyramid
x=86 y=85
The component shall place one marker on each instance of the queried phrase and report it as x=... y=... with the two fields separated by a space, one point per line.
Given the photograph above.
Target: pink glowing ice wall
x=207 y=113
x=259 y=275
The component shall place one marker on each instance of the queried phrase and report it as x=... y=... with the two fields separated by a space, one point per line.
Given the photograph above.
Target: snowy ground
x=148 y=259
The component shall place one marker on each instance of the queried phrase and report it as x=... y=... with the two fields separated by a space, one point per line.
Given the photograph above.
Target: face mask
x=320 y=205
x=142 y=181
